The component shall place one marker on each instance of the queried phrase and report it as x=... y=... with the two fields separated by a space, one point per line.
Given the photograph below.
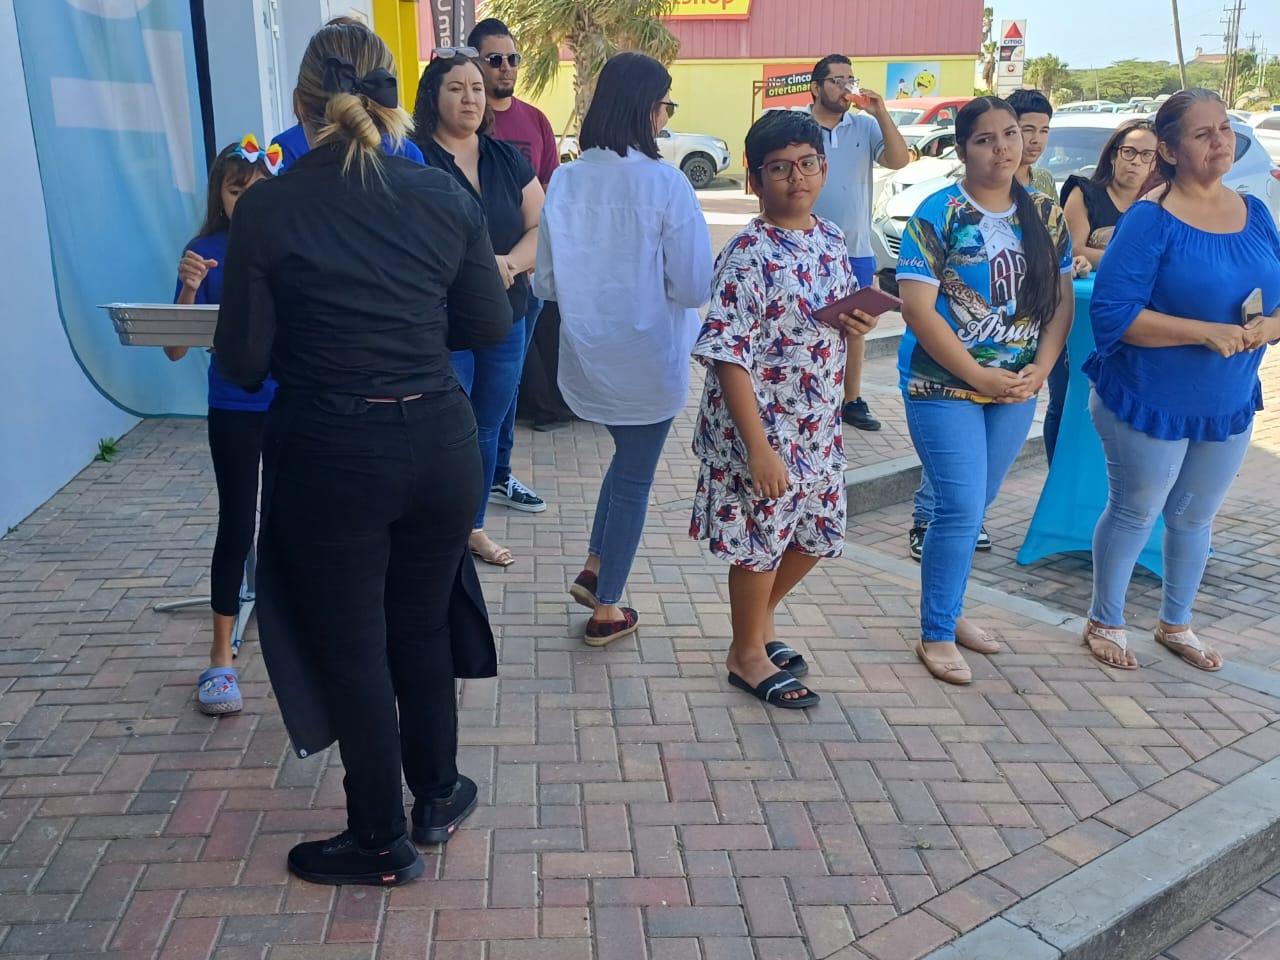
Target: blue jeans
x=490 y=376
x=966 y=449
x=623 y=503
x=507 y=435
x=1058 y=379
x=1186 y=481
x=864 y=270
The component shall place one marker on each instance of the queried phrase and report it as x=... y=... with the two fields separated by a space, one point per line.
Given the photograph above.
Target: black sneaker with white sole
x=915 y=541
x=512 y=493
x=984 y=541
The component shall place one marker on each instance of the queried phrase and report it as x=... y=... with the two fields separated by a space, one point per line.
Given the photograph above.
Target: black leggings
x=235 y=443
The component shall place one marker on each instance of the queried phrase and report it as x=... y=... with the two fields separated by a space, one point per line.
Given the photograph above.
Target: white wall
x=51 y=417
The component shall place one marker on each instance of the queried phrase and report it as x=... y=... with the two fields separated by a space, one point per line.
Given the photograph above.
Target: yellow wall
x=396 y=22
x=715 y=95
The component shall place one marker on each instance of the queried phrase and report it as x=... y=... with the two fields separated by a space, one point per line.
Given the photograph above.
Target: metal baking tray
x=164 y=324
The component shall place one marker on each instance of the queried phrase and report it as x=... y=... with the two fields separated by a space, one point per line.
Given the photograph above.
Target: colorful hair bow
x=250 y=152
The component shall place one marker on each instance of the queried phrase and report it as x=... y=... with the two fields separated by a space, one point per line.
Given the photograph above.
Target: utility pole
x=1177 y=41
x=1231 y=41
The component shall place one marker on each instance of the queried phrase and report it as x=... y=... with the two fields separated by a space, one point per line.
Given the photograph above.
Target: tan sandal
x=1191 y=649
x=1112 y=635
x=494 y=555
x=979 y=641
x=957 y=673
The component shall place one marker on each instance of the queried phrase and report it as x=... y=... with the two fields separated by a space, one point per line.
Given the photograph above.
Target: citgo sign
x=709 y=9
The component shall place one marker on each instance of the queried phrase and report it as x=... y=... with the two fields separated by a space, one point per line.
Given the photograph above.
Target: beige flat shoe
x=975 y=638
x=1188 y=646
x=957 y=673
x=1094 y=633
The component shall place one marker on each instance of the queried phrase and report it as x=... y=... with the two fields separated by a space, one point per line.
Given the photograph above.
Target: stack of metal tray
x=164 y=324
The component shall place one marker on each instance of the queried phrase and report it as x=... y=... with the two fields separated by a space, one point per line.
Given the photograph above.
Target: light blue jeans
x=623 y=504
x=966 y=449
x=1183 y=480
x=489 y=376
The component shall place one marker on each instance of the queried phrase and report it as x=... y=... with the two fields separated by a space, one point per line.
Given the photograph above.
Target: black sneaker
x=340 y=860
x=856 y=414
x=915 y=542
x=512 y=493
x=435 y=820
x=984 y=541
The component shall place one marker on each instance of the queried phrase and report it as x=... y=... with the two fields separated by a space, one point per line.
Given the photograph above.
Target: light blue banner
x=116 y=114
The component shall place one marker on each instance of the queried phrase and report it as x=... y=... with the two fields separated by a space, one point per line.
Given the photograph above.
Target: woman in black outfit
x=351 y=278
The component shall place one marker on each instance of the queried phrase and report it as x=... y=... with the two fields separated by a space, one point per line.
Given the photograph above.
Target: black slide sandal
x=786 y=658
x=772 y=690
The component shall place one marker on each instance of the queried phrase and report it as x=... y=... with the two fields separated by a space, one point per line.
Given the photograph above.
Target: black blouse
x=360 y=290
x=1098 y=205
x=504 y=173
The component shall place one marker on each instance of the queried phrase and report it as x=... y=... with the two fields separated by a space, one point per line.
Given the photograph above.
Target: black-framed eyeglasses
x=1133 y=153
x=448 y=53
x=495 y=60
x=671 y=107
x=809 y=166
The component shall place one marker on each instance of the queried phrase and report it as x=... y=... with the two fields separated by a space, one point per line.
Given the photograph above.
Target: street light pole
x=1177 y=39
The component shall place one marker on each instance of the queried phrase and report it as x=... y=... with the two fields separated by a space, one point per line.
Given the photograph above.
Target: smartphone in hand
x=1251 y=309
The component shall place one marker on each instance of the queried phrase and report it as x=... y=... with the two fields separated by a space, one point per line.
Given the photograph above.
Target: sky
x=1088 y=33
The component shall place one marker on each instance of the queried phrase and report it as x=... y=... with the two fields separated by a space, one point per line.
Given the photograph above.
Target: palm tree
x=1177 y=40
x=591 y=30
x=988 y=49
x=1045 y=72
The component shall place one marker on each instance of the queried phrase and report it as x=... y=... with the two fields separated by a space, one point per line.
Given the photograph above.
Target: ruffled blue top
x=1159 y=262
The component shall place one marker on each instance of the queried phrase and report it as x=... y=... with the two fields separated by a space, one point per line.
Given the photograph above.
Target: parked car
x=699 y=157
x=1086 y=106
x=1075 y=141
x=1266 y=127
x=936 y=110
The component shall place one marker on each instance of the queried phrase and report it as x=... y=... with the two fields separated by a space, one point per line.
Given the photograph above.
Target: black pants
x=235 y=444
x=539 y=398
x=370 y=512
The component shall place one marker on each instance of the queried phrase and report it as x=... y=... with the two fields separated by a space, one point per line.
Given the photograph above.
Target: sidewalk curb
x=1134 y=901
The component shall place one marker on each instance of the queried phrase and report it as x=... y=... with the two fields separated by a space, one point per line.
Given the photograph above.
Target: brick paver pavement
x=633 y=806
x=1249 y=929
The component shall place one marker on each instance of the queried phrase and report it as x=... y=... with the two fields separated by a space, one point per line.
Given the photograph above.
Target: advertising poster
x=916 y=78
x=787 y=85
x=1010 y=54
x=709 y=9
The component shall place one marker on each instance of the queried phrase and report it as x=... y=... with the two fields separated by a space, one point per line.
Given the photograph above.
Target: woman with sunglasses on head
x=1093 y=206
x=1175 y=371
x=451 y=124
x=351 y=278
x=624 y=248
x=985 y=278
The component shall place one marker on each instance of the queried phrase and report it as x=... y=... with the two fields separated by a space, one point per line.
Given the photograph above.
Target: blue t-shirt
x=293 y=144
x=1156 y=260
x=223 y=395
x=975 y=259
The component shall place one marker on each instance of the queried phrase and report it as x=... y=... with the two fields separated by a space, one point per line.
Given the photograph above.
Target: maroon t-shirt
x=527 y=129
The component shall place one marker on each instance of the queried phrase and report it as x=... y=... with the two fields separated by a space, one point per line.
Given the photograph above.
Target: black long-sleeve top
x=361 y=290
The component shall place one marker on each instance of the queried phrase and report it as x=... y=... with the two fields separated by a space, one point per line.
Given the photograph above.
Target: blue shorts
x=864 y=270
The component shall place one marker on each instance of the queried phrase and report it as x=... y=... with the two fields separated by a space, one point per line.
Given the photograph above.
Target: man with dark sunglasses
x=527 y=129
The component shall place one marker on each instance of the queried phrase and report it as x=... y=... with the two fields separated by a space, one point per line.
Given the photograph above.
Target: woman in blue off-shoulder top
x=1175 y=372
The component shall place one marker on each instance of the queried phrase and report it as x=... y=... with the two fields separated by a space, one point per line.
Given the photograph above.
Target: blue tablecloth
x=1075 y=492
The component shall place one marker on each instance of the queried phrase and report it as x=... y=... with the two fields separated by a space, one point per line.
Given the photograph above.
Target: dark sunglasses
x=448 y=53
x=671 y=107
x=495 y=60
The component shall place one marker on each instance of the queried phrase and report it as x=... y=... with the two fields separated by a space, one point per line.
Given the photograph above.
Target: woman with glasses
x=985 y=279
x=451 y=123
x=1093 y=206
x=1186 y=300
x=624 y=248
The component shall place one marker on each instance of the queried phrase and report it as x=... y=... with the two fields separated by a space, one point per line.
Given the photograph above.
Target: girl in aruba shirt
x=985 y=278
x=236 y=418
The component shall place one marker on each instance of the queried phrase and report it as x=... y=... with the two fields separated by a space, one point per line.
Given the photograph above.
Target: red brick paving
x=632 y=804
x=1249 y=929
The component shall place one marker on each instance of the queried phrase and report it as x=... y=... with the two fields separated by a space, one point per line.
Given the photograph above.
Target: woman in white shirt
x=624 y=249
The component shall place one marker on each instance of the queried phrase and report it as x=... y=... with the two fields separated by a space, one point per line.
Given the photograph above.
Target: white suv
x=699 y=157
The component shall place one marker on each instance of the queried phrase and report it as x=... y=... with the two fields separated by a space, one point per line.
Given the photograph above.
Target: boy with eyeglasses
x=527 y=129
x=770 y=496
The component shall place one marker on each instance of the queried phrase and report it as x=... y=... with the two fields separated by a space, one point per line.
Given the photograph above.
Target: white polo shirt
x=851 y=147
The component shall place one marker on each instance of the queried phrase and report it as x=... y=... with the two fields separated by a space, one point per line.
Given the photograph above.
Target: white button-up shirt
x=624 y=249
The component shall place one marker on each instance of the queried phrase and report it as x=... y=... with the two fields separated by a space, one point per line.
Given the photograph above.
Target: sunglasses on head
x=495 y=60
x=671 y=107
x=448 y=53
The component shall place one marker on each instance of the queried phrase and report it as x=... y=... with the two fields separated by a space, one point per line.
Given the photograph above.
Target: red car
x=937 y=110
